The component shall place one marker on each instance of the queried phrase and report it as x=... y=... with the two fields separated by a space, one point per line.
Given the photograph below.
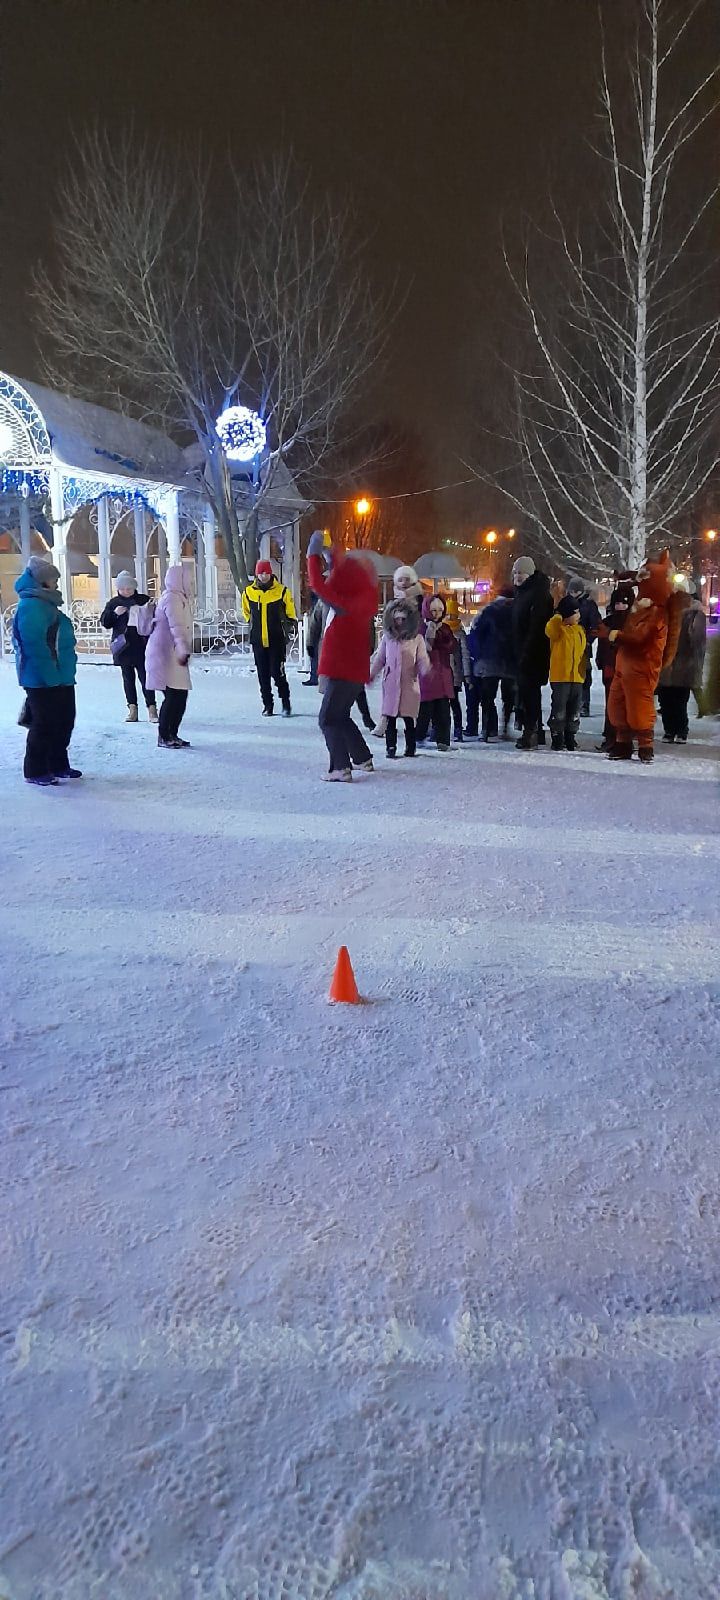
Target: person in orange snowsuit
x=645 y=645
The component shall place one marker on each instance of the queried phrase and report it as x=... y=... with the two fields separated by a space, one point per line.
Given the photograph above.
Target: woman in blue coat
x=44 y=641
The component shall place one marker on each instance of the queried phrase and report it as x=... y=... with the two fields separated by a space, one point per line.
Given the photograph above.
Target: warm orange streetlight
x=711 y=534
x=362 y=506
x=511 y=533
x=491 y=537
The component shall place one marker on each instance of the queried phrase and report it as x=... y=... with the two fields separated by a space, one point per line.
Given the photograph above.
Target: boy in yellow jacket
x=567 y=672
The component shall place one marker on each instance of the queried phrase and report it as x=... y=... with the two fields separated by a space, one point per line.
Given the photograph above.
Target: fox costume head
x=655 y=580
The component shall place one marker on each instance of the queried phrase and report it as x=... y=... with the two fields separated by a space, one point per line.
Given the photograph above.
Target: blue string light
x=14 y=480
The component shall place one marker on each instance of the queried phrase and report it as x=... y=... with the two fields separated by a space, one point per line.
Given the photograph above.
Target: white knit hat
x=524 y=568
x=127 y=579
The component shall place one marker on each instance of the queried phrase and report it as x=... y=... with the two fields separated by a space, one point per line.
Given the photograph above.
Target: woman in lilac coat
x=438 y=686
x=402 y=657
x=168 y=653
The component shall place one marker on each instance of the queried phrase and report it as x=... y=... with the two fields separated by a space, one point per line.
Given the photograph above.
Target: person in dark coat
x=315 y=623
x=130 y=656
x=46 y=662
x=591 y=621
x=685 y=671
x=532 y=609
x=490 y=643
x=621 y=600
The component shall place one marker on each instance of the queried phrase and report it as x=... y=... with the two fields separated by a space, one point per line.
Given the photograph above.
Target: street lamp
x=362 y=506
x=491 y=537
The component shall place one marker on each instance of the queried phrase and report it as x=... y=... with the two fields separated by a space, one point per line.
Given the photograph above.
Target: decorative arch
x=24 y=439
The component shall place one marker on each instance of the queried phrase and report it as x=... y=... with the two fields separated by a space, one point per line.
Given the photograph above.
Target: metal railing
x=221 y=634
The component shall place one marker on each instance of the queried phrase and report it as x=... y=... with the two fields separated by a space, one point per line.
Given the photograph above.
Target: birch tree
x=180 y=290
x=616 y=415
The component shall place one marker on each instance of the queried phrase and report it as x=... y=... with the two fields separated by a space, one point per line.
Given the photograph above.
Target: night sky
x=444 y=119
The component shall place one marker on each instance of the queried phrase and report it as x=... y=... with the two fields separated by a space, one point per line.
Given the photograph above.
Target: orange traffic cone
x=343 y=987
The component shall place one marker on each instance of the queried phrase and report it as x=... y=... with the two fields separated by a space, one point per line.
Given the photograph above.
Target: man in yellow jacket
x=268 y=607
x=567 y=672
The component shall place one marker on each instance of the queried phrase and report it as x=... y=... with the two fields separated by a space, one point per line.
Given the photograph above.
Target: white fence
x=223 y=634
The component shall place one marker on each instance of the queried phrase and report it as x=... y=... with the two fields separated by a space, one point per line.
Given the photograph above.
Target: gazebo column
x=140 y=550
x=25 y=548
x=60 y=529
x=104 y=570
x=171 y=518
x=210 y=562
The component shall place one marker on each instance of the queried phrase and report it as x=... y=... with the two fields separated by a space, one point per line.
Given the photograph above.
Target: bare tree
x=616 y=402
x=173 y=305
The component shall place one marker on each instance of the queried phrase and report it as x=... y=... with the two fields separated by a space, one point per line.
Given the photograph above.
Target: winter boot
x=646 y=754
x=458 y=736
x=72 y=772
x=43 y=783
x=528 y=740
x=338 y=775
x=132 y=714
x=152 y=714
x=365 y=766
x=620 y=752
x=557 y=742
x=268 y=711
x=171 y=744
x=668 y=738
x=570 y=741
x=287 y=710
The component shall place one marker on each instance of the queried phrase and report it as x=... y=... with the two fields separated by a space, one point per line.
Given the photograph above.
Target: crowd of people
x=650 y=642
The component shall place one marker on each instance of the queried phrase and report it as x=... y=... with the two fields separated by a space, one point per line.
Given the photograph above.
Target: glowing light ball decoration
x=241 y=433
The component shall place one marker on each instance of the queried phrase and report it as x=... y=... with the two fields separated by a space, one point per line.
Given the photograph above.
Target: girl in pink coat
x=438 y=685
x=402 y=657
x=168 y=653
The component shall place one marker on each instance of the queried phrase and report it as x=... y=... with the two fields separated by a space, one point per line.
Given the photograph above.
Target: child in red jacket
x=351 y=591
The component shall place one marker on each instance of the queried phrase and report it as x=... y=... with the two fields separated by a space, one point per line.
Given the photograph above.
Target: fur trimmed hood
x=408 y=610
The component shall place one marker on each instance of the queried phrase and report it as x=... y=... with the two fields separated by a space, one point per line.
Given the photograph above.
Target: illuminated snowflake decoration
x=241 y=433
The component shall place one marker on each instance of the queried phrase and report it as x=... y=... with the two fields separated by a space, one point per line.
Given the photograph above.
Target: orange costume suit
x=646 y=644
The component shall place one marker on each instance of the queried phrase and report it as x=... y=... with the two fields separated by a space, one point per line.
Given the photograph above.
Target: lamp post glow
x=491 y=537
x=711 y=532
x=241 y=433
x=362 y=506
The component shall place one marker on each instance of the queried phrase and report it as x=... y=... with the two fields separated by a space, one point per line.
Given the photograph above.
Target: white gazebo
x=119 y=494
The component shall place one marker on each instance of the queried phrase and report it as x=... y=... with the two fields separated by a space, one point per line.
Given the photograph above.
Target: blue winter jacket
x=490 y=641
x=43 y=637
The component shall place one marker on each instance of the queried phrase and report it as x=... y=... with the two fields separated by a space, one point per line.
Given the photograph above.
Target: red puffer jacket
x=351 y=591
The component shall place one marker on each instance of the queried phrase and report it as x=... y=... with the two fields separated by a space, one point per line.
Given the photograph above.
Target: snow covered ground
x=411 y=1301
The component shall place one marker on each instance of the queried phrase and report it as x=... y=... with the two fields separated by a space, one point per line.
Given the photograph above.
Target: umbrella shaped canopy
x=440 y=564
x=384 y=565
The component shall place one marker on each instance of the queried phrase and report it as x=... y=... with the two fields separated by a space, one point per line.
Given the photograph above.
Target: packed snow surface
x=412 y=1301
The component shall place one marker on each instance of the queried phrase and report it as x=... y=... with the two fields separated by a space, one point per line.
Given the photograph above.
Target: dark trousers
x=312 y=655
x=437 y=711
x=346 y=746
x=487 y=694
x=456 y=709
x=270 y=663
x=52 y=719
x=565 y=709
x=674 y=711
x=172 y=712
x=128 y=678
x=585 y=695
x=391 y=735
x=364 y=709
x=529 y=690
